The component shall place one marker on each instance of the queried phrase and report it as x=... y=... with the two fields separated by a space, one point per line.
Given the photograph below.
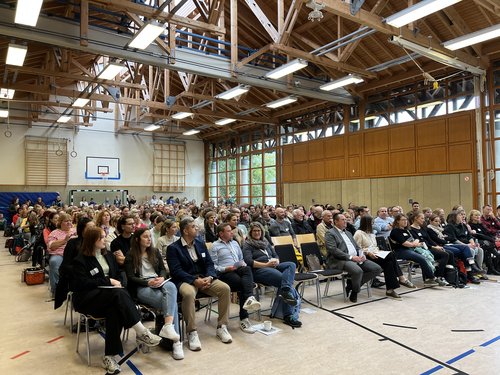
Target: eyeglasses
x=256 y=230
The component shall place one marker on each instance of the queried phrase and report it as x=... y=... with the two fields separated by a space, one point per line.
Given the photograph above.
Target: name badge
x=203 y=255
x=479 y=230
x=95 y=271
x=419 y=234
x=405 y=234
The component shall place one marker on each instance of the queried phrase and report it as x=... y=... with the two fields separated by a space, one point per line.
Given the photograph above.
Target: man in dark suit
x=343 y=253
x=192 y=270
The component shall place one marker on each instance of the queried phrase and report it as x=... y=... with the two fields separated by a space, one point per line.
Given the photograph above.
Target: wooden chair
x=305 y=238
x=282 y=240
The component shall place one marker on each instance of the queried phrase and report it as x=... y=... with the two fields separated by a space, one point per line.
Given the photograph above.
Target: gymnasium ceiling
x=207 y=49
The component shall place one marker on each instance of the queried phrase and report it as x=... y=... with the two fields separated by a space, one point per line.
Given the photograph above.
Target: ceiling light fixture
x=146 y=35
x=27 y=12
x=16 y=54
x=418 y=11
x=233 y=93
x=436 y=56
x=80 y=102
x=224 y=121
x=191 y=132
x=6 y=93
x=181 y=115
x=4 y=113
x=347 y=80
x=152 y=127
x=368 y=118
x=111 y=71
x=282 y=102
x=287 y=69
x=431 y=104
x=473 y=38
x=64 y=119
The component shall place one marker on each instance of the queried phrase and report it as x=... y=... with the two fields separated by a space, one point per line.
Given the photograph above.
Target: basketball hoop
x=104 y=176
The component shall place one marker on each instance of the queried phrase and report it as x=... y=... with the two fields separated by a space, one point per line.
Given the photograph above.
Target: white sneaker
x=148 y=339
x=246 y=326
x=110 y=365
x=224 y=335
x=168 y=331
x=177 y=351
x=194 y=342
x=251 y=304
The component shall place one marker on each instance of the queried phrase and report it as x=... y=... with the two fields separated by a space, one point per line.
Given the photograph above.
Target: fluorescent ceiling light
x=224 y=121
x=287 y=68
x=191 y=132
x=418 y=11
x=281 y=102
x=4 y=113
x=80 y=102
x=233 y=93
x=16 y=54
x=64 y=119
x=436 y=56
x=6 y=93
x=152 y=127
x=146 y=35
x=27 y=12
x=347 y=80
x=368 y=118
x=431 y=104
x=473 y=38
x=356 y=121
x=181 y=115
x=111 y=71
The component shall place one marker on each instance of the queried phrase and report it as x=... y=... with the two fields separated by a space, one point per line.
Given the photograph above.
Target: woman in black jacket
x=98 y=291
x=486 y=241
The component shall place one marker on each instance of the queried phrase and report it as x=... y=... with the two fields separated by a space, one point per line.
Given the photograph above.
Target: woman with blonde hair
x=168 y=236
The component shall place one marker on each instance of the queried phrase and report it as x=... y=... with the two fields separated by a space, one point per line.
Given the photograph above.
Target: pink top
x=57 y=235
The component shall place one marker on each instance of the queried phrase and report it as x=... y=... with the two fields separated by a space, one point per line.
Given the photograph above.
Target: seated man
x=281 y=226
x=343 y=253
x=315 y=217
x=323 y=227
x=192 y=270
x=299 y=225
x=489 y=221
x=232 y=269
x=384 y=222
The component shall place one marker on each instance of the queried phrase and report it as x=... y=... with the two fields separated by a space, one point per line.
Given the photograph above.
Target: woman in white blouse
x=366 y=240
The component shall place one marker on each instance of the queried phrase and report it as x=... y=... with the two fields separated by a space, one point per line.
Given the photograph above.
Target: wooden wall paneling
x=287 y=173
x=334 y=146
x=300 y=152
x=335 y=169
x=431 y=133
x=402 y=137
x=467 y=199
x=300 y=172
x=316 y=170
x=402 y=162
x=376 y=165
x=356 y=191
x=286 y=193
x=355 y=144
x=354 y=166
x=441 y=191
x=315 y=149
x=460 y=127
x=376 y=140
x=287 y=154
x=460 y=157
x=432 y=159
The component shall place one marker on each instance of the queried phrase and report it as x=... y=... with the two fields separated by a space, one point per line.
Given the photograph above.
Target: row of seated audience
x=111 y=247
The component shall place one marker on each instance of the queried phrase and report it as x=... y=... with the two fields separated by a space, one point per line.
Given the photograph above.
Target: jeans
x=461 y=251
x=54 y=264
x=280 y=277
x=408 y=254
x=241 y=281
x=164 y=298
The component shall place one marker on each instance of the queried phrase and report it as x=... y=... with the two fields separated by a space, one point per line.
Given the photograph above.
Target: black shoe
x=353 y=297
x=292 y=322
x=473 y=279
x=348 y=288
x=288 y=297
x=376 y=283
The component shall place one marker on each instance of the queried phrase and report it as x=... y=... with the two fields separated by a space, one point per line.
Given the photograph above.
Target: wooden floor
x=432 y=331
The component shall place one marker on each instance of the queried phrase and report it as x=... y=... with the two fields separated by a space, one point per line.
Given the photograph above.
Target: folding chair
x=286 y=253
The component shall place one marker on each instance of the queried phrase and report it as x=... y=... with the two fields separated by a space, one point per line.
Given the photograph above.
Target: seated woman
x=393 y=276
x=404 y=246
x=209 y=227
x=103 y=221
x=444 y=259
x=57 y=241
x=238 y=235
x=168 y=233
x=261 y=257
x=486 y=241
x=147 y=279
x=97 y=291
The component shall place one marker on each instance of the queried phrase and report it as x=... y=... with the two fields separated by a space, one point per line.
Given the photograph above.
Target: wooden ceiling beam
x=459 y=27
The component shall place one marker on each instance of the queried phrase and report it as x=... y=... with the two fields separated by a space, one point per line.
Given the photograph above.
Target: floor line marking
x=398 y=326
x=54 y=339
x=20 y=354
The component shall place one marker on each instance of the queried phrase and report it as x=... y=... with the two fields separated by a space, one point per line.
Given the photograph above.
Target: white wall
x=134 y=151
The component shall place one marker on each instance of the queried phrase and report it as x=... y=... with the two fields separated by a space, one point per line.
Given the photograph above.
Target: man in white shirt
x=343 y=253
x=384 y=222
